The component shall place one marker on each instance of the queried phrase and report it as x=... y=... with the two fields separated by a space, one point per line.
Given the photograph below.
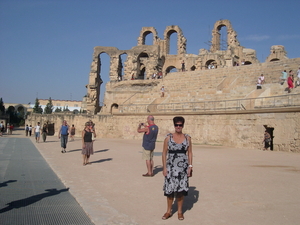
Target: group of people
x=176 y=160
x=9 y=128
x=291 y=80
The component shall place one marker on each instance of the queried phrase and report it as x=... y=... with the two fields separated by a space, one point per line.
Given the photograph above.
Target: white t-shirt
x=37 y=128
x=298 y=73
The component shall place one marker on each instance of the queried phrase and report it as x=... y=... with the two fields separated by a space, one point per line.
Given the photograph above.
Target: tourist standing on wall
x=87 y=143
x=72 y=132
x=267 y=140
x=63 y=136
x=177 y=163
x=290 y=81
x=182 y=66
x=37 y=132
x=44 y=132
x=149 y=139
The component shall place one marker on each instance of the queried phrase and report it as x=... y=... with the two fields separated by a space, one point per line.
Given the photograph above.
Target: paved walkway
x=30 y=192
x=229 y=186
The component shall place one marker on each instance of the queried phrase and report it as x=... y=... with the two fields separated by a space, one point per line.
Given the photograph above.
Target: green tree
x=49 y=107
x=57 y=109
x=66 y=109
x=2 y=107
x=37 y=108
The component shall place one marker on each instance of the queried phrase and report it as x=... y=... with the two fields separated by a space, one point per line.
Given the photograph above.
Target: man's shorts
x=147 y=154
x=37 y=134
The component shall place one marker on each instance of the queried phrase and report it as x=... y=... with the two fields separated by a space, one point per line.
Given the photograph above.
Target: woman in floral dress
x=177 y=166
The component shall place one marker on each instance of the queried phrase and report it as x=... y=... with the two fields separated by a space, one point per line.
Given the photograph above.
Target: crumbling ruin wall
x=145 y=60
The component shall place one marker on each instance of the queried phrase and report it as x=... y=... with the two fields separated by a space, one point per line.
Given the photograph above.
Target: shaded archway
x=273 y=60
x=248 y=63
x=114 y=108
x=211 y=64
x=142 y=62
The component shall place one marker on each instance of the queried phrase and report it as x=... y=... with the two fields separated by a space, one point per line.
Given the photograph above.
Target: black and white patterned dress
x=176 y=180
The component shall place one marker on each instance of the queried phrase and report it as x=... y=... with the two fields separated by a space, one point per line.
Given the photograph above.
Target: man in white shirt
x=37 y=132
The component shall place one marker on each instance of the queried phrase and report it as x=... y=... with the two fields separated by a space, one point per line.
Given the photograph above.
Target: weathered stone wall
x=234 y=130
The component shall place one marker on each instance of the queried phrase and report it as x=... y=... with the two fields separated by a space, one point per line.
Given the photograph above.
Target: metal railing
x=292 y=100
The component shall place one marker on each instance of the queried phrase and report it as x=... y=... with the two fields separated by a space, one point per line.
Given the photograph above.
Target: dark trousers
x=64 y=141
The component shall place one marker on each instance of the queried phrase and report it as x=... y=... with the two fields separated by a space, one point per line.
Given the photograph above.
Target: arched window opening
x=142 y=63
x=248 y=63
x=273 y=60
x=114 y=108
x=103 y=72
x=171 y=69
x=148 y=38
x=173 y=43
x=75 y=111
x=211 y=64
x=223 y=37
x=193 y=68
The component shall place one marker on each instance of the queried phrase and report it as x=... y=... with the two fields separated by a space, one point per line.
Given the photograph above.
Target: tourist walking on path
x=63 y=136
x=44 y=132
x=26 y=130
x=177 y=167
x=267 y=140
x=87 y=143
x=37 y=132
x=149 y=139
x=290 y=81
x=72 y=132
x=30 y=130
x=1 y=128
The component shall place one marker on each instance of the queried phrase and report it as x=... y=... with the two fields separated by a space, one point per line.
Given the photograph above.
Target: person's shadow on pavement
x=4 y=184
x=30 y=200
x=189 y=200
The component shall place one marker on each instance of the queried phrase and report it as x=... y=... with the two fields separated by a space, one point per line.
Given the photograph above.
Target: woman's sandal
x=180 y=216
x=166 y=216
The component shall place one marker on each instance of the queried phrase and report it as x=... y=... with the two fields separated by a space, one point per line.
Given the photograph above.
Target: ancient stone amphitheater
x=215 y=91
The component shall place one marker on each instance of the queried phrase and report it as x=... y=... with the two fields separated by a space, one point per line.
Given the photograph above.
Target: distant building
x=71 y=105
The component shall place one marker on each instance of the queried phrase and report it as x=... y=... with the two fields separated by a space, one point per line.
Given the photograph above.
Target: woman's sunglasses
x=178 y=125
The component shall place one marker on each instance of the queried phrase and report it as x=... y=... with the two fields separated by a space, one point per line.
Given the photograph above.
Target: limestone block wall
x=233 y=130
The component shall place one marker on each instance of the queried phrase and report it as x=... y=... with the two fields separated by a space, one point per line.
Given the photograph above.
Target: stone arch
x=247 y=63
x=169 y=68
x=231 y=35
x=193 y=68
x=142 y=62
x=181 y=40
x=144 y=32
x=211 y=62
x=114 y=108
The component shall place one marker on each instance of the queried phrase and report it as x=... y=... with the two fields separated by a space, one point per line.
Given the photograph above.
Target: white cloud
x=288 y=37
x=256 y=37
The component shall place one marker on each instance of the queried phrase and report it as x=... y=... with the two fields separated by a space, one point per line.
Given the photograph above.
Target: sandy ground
x=229 y=186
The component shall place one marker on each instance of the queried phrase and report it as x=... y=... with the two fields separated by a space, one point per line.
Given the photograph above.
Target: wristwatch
x=191 y=166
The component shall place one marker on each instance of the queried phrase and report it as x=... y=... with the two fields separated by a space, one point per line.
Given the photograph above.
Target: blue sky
x=46 y=46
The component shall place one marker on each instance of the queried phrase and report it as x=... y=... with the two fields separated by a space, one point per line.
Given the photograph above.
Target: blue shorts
x=37 y=134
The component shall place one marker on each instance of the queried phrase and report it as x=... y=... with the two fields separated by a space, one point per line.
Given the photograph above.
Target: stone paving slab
x=229 y=186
